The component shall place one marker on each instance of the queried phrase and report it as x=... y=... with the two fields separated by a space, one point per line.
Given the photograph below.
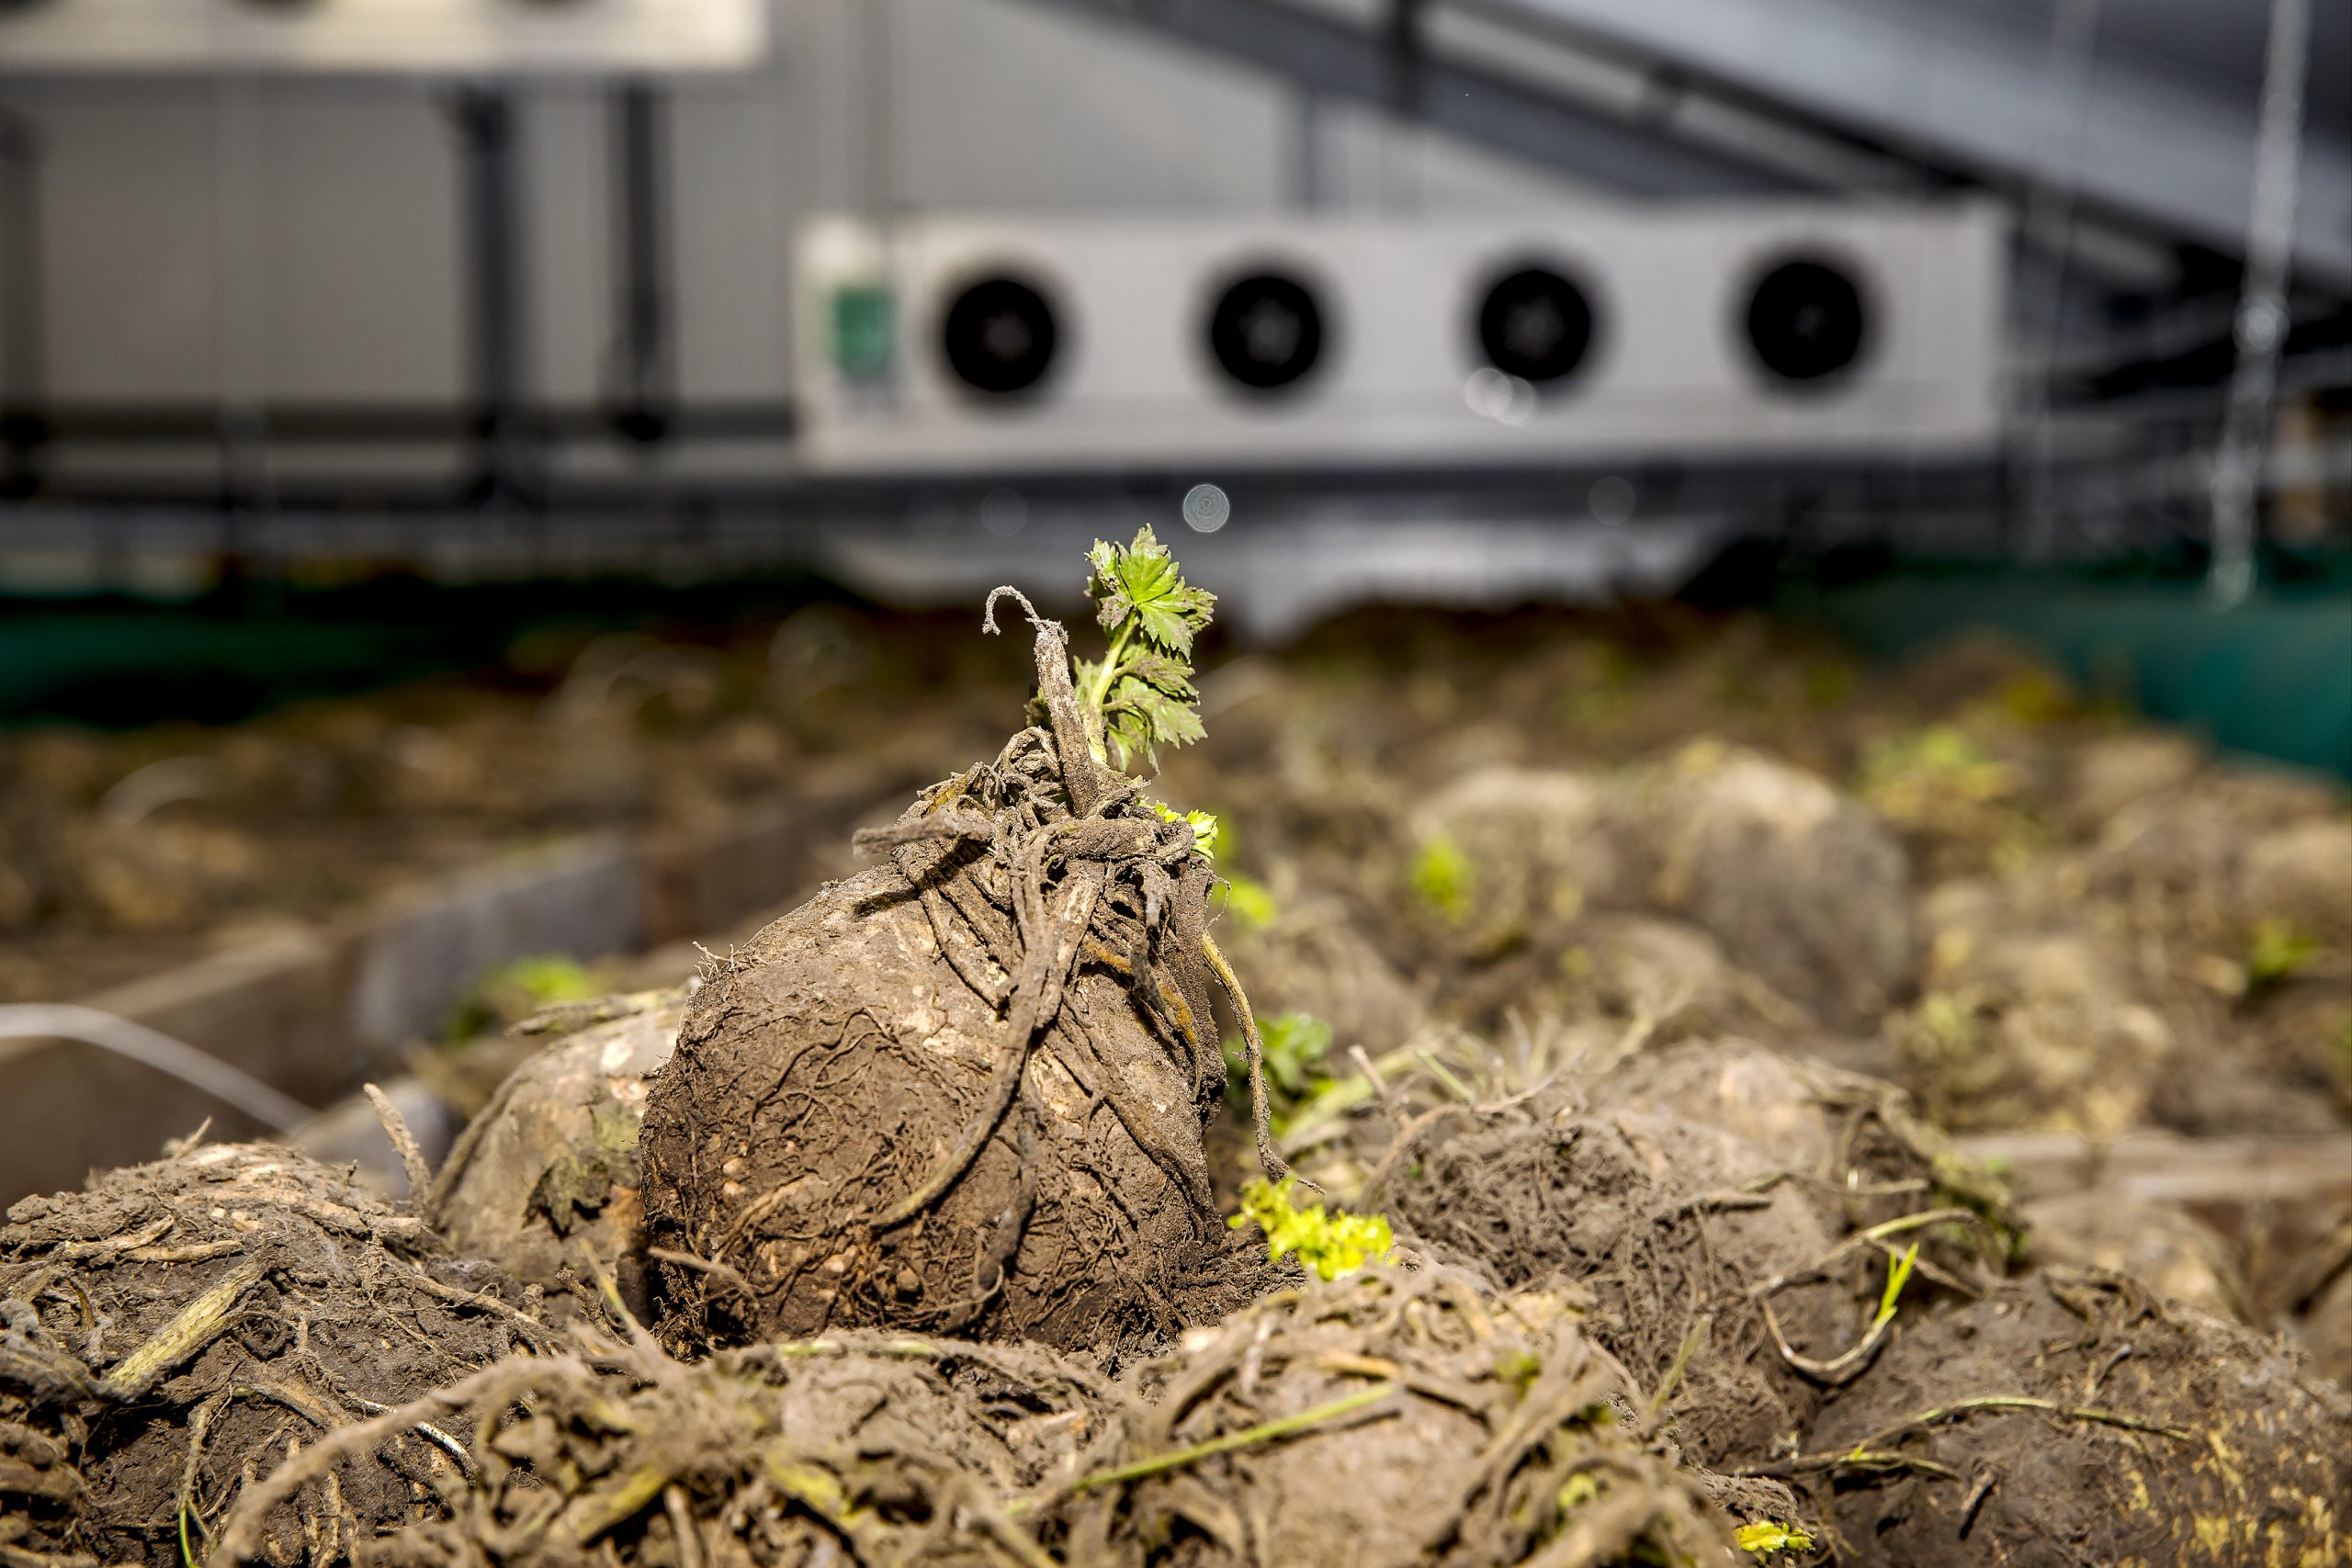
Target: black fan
x=998 y=336
x=1535 y=324
x=1806 y=320
x=1266 y=331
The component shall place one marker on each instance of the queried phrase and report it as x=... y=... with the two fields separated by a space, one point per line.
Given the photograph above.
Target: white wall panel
x=303 y=239
x=567 y=242
x=129 y=280
x=358 y=256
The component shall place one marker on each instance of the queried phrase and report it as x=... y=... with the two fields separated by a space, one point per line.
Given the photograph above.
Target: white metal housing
x=1402 y=379
x=379 y=36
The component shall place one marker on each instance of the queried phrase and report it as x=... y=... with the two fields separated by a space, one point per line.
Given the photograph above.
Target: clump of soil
x=549 y=1171
x=1858 y=1144
x=2322 y=1295
x=856 y=1448
x=177 y=1329
x=1534 y=847
x=964 y=1091
x=2071 y=1419
x=2162 y=1245
x=1801 y=886
x=2028 y=1023
x=2205 y=860
x=2328 y=1328
x=2108 y=773
x=1737 y=1278
x=1656 y=979
x=1675 y=978
x=1393 y=1418
x=1533 y=1200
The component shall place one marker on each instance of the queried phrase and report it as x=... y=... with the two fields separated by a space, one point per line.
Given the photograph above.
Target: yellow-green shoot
x=1332 y=1245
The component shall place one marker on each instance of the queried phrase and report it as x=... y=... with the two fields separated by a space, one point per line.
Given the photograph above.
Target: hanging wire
x=2261 y=327
x=230 y=1086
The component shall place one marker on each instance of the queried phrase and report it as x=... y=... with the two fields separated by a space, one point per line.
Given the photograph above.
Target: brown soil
x=971 y=1092
x=2328 y=1328
x=179 y=1328
x=1539 y=846
x=2162 y=1246
x=1739 y=1275
x=964 y=1091
x=2071 y=1419
x=858 y=1447
x=1310 y=958
x=1395 y=1419
x=2026 y=1025
x=1597 y=1204
x=1803 y=888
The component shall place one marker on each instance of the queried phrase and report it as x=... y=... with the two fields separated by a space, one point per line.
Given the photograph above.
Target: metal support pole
x=23 y=308
x=646 y=382
x=487 y=141
x=2262 y=321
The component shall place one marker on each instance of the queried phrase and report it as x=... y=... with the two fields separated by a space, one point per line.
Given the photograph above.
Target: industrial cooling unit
x=371 y=36
x=1725 y=331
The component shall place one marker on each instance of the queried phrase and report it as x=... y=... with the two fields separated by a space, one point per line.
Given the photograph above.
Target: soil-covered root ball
x=2109 y=773
x=1652 y=1220
x=1637 y=977
x=1674 y=977
x=2234 y=860
x=2071 y=1419
x=2163 y=1245
x=2029 y=1025
x=2296 y=878
x=2319 y=1294
x=1855 y=1142
x=172 y=1333
x=861 y=1448
x=1801 y=886
x=2297 y=1038
x=549 y=1172
x=963 y=1092
x=1393 y=1418
x=828 y=1146
x=1745 y=1279
x=2327 y=1327
x=1503 y=853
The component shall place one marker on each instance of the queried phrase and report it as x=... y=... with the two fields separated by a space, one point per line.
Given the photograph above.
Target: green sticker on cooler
x=864 y=319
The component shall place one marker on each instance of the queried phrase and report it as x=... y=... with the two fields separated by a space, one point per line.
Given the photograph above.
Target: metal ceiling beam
x=1955 y=87
x=1878 y=96
x=1329 y=55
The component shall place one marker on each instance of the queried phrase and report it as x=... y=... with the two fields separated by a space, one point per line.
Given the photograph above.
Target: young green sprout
x=1138 y=697
x=1141 y=696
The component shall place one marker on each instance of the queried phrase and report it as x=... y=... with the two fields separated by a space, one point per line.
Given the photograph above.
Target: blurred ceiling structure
x=2123 y=135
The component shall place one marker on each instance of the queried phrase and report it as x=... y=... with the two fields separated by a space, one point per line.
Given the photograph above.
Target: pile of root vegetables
x=1496 y=1099
x=122 y=851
